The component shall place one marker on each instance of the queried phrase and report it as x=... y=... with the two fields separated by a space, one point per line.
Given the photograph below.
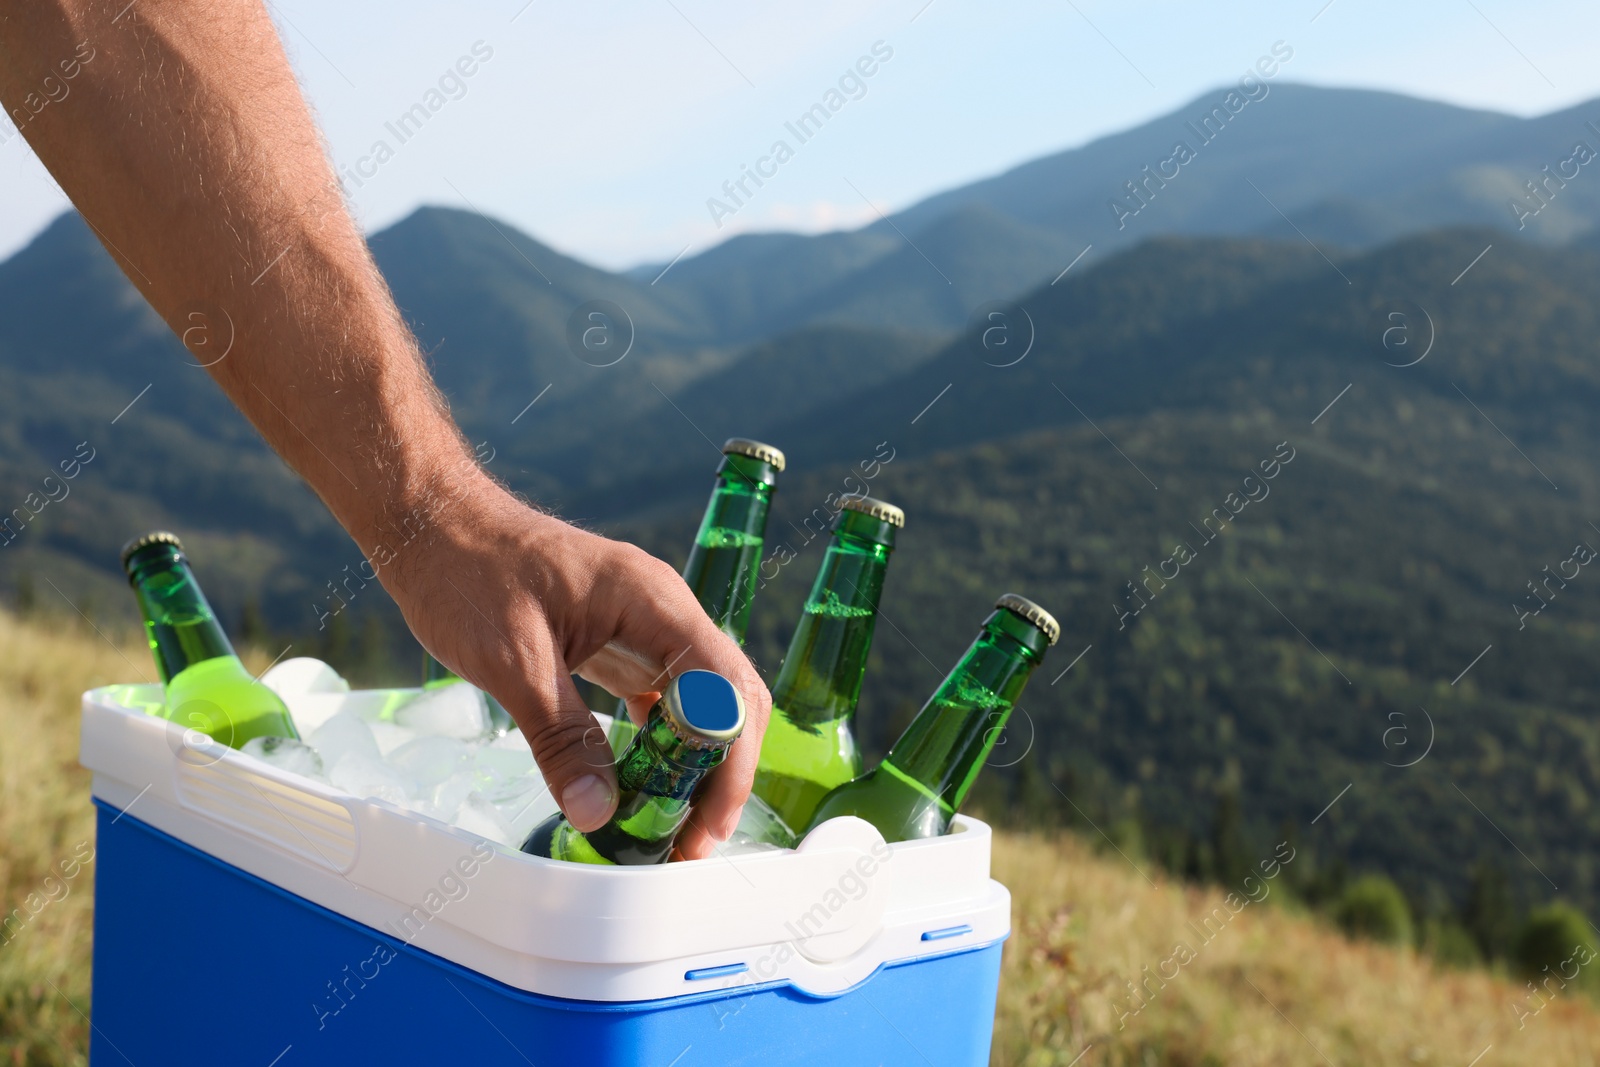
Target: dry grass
x=1271 y=988
x=45 y=819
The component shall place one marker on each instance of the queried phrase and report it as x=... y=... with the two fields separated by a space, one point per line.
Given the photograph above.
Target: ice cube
x=378 y=705
x=310 y=711
x=343 y=735
x=364 y=776
x=302 y=674
x=286 y=754
x=497 y=765
x=446 y=798
x=390 y=737
x=428 y=761
x=511 y=741
x=511 y=782
x=457 y=711
x=478 y=816
x=522 y=804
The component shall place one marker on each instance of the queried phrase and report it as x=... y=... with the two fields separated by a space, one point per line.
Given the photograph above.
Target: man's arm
x=185 y=143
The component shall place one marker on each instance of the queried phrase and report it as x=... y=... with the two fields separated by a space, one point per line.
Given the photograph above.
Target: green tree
x=1556 y=942
x=1489 y=914
x=1450 y=944
x=1372 y=906
x=1229 y=854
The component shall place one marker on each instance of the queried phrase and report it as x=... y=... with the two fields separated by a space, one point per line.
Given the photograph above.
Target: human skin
x=185 y=143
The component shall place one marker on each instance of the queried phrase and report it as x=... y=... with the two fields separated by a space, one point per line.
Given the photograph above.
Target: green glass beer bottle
x=920 y=784
x=809 y=747
x=725 y=561
x=687 y=734
x=207 y=687
x=436 y=674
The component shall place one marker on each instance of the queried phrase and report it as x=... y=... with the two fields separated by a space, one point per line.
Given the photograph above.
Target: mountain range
x=1333 y=288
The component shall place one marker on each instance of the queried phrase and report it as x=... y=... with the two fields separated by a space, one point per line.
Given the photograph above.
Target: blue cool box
x=248 y=916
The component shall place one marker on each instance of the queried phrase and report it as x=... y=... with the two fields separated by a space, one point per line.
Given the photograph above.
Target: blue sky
x=604 y=128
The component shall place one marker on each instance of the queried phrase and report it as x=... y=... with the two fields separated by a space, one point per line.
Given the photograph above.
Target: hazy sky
x=604 y=127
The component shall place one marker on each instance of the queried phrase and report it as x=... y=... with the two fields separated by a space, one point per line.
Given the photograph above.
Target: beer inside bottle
x=920 y=784
x=686 y=734
x=726 y=559
x=436 y=674
x=207 y=687
x=809 y=746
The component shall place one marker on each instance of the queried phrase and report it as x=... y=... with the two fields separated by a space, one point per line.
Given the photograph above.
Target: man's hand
x=186 y=145
x=517 y=601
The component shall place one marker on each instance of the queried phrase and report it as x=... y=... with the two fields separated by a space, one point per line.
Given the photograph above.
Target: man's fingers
x=661 y=631
x=694 y=643
x=639 y=707
x=570 y=747
x=722 y=797
x=626 y=673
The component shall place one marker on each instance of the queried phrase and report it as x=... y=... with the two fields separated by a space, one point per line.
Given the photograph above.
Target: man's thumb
x=573 y=755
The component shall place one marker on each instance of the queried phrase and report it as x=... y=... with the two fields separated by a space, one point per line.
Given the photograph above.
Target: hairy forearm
x=185 y=144
x=184 y=141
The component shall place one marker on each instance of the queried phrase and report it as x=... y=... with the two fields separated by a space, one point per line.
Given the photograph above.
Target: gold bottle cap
x=704 y=709
x=743 y=446
x=155 y=537
x=1033 y=613
x=878 y=509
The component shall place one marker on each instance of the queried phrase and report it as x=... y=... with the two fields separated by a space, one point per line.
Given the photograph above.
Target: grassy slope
x=1084 y=926
x=1271 y=988
x=45 y=820
x=45 y=817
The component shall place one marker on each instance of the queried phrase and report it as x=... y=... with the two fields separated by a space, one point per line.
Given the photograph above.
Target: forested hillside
x=1316 y=518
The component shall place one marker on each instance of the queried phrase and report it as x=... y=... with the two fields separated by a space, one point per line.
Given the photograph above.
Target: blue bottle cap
x=704 y=709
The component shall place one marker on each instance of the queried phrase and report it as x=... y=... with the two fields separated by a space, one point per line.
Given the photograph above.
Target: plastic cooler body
x=216 y=943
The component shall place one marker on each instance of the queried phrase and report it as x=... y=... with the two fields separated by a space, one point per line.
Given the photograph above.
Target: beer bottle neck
x=945 y=746
x=820 y=680
x=182 y=628
x=656 y=777
x=662 y=764
x=726 y=557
